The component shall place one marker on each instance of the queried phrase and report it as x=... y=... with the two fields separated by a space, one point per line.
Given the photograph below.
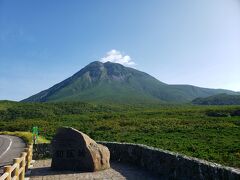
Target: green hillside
x=220 y=99
x=191 y=130
x=114 y=83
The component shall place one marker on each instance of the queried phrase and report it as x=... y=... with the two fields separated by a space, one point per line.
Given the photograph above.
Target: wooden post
x=31 y=150
x=7 y=169
x=23 y=164
x=29 y=155
x=16 y=171
x=26 y=150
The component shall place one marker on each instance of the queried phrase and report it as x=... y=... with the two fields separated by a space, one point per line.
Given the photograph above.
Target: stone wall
x=42 y=151
x=167 y=164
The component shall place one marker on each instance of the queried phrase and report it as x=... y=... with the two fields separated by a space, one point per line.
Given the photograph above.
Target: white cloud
x=117 y=57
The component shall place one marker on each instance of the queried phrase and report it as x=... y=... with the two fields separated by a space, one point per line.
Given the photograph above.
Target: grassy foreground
x=207 y=132
x=26 y=136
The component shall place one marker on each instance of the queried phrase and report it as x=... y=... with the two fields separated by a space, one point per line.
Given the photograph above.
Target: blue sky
x=177 y=41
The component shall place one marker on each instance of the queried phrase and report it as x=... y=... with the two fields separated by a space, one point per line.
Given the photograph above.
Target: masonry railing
x=20 y=166
x=168 y=165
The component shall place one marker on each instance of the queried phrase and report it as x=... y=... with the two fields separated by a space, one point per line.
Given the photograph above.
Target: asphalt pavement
x=10 y=148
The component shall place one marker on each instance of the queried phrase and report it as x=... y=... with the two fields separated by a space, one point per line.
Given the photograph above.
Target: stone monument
x=75 y=151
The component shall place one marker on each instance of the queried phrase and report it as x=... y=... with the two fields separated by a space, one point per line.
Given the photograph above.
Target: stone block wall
x=167 y=164
x=42 y=151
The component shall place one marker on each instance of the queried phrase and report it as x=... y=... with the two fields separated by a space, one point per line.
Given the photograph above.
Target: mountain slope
x=114 y=83
x=220 y=99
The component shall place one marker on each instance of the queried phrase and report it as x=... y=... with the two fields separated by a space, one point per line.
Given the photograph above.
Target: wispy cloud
x=116 y=56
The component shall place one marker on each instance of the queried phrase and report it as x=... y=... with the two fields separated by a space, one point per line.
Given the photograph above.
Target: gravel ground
x=41 y=171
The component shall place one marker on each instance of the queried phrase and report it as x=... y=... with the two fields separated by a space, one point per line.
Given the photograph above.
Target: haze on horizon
x=177 y=42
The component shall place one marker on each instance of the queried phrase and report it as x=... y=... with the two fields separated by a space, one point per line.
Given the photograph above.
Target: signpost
x=35 y=134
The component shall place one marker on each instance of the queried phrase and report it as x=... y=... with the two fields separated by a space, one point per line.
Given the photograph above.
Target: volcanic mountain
x=114 y=83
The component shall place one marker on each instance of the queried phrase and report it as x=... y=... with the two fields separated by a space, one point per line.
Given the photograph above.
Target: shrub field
x=207 y=132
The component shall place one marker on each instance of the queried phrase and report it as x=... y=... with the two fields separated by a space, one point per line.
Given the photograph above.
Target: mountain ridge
x=112 y=82
x=219 y=99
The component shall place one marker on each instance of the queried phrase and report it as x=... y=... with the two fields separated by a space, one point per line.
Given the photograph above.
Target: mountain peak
x=95 y=62
x=113 y=82
x=107 y=69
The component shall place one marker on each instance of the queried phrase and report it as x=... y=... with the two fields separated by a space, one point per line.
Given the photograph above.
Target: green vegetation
x=220 y=99
x=197 y=131
x=26 y=136
x=113 y=83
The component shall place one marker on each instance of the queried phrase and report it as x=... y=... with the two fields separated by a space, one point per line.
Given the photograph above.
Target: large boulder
x=74 y=150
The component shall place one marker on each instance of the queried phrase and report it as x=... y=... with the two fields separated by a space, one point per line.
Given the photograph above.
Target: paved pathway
x=10 y=148
x=42 y=171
